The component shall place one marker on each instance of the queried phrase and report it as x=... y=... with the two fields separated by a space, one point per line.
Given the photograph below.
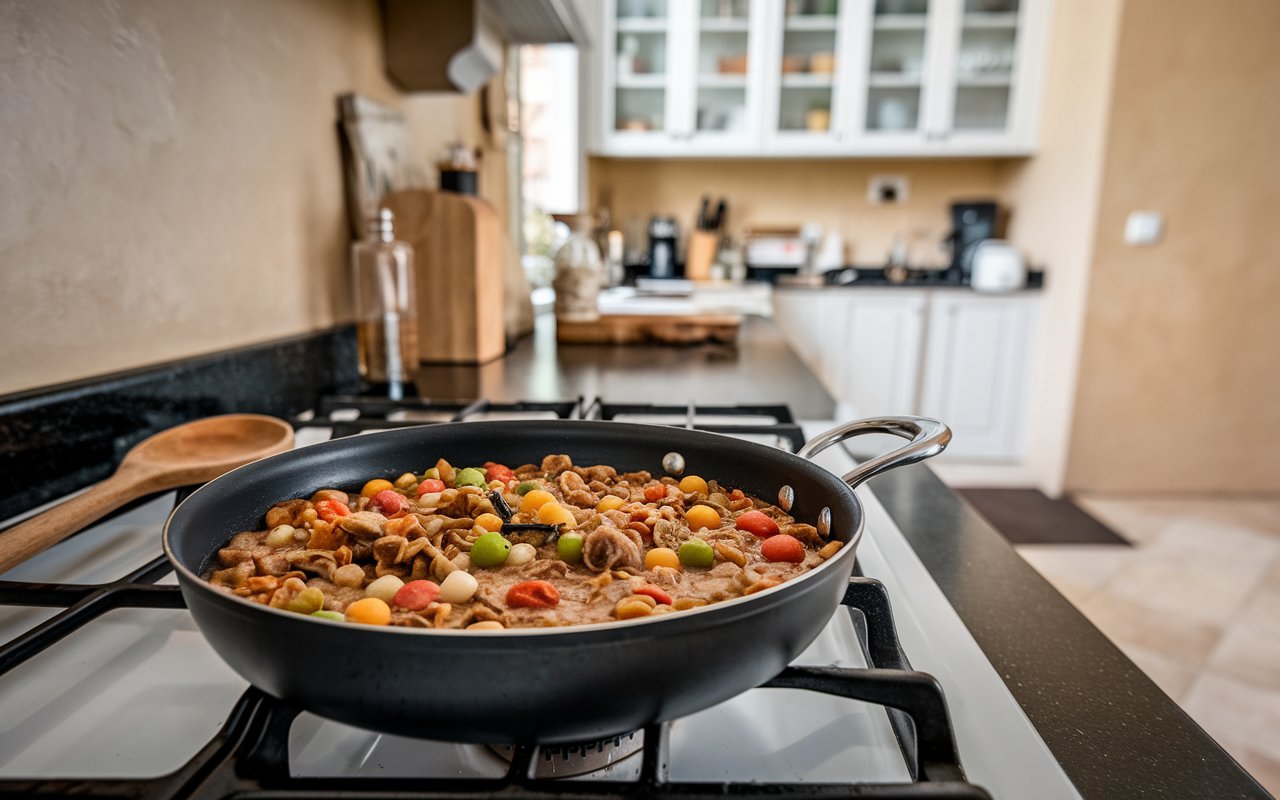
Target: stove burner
x=567 y=760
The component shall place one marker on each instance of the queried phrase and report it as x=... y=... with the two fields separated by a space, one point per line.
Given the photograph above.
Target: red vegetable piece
x=329 y=510
x=416 y=595
x=533 y=594
x=498 y=472
x=388 y=502
x=783 y=547
x=429 y=486
x=655 y=493
x=654 y=592
x=759 y=523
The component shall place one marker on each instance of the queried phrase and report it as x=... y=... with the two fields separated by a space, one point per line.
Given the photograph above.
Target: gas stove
x=107 y=687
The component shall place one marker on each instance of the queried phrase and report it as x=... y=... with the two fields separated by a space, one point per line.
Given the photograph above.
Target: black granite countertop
x=759 y=369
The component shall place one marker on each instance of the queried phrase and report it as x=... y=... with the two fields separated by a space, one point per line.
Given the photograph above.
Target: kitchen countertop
x=760 y=369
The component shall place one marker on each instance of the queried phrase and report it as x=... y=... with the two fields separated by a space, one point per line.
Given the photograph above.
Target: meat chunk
x=608 y=548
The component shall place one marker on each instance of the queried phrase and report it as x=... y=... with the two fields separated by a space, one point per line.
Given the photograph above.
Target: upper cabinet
x=818 y=77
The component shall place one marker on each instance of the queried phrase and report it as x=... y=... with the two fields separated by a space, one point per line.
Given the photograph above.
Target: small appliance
x=971 y=222
x=663 y=232
x=997 y=267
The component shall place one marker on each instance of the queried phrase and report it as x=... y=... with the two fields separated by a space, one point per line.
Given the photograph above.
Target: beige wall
x=1055 y=200
x=832 y=192
x=1180 y=369
x=170 y=179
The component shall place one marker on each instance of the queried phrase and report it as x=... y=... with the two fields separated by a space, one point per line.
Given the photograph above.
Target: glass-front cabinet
x=681 y=75
x=819 y=77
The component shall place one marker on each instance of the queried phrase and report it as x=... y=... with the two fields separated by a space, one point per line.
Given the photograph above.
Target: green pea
x=335 y=616
x=526 y=487
x=569 y=547
x=490 y=550
x=432 y=474
x=307 y=601
x=696 y=553
x=470 y=477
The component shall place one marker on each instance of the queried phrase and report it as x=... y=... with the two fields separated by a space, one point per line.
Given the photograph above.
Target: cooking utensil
x=188 y=454
x=549 y=685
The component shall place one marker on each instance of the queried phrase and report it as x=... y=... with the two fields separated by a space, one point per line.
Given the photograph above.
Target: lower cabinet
x=956 y=355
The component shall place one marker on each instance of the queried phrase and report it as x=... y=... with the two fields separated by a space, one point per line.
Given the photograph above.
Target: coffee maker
x=972 y=222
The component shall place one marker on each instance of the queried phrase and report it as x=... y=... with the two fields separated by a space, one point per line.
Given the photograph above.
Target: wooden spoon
x=188 y=454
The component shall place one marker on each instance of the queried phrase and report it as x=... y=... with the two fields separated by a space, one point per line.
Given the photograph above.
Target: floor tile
x=1195 y=604
x=1077 y=570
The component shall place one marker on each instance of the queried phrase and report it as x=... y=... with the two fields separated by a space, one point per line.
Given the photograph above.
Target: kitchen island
x=760 y=369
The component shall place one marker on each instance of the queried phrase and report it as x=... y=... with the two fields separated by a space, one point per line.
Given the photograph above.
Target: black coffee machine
x=971 y=222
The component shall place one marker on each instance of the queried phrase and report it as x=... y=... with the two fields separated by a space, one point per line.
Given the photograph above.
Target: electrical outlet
x=887 y=190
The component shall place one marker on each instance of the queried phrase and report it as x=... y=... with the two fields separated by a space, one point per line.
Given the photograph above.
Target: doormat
x=1028 y=516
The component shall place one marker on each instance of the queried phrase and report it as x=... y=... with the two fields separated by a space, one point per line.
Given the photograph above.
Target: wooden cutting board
x=458 y=255
x=651 y=329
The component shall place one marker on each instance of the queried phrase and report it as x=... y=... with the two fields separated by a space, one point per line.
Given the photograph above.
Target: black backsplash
x=61 y=438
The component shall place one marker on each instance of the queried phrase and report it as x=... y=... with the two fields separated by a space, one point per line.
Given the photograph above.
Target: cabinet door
x=896 y=49
x=877 y=370
x=726 y=44
x=808 y=76
x=640 y=100
x=990 y=57
x=976 y=372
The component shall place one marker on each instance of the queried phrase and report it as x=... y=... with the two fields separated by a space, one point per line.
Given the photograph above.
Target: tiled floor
x=1195 y=603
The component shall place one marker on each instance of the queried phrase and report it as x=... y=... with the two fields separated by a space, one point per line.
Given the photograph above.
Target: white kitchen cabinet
x=863 y=346
x=821 y=77
x=953 y=354
x=976 y=371
x=876 y=366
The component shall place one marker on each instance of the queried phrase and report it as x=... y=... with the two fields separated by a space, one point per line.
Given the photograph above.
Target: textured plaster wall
x=1180 y=367
x=170 y=178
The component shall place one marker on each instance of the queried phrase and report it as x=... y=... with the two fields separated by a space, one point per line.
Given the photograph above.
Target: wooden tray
x=651 y=329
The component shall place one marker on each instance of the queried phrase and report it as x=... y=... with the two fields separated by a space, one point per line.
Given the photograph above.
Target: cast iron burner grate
x=249 y=756
x=782 y=424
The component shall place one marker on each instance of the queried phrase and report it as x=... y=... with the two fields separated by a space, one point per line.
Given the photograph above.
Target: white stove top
x=137 y=692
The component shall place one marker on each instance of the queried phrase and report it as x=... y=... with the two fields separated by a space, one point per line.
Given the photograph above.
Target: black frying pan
x=543 y=685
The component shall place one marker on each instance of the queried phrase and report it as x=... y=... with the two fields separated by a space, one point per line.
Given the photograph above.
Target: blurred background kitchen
x=1046 y=223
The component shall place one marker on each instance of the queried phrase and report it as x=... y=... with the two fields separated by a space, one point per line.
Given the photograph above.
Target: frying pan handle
x=928 y=438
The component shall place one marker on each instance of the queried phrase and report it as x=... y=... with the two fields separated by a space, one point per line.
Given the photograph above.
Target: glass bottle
x=385 y=306
x=579 y=273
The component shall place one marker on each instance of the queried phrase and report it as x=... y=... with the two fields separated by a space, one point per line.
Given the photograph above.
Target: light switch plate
x=1143 y=228
x=884 y=190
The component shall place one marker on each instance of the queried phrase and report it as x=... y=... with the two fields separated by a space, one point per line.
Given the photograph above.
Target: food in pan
x=489 y=547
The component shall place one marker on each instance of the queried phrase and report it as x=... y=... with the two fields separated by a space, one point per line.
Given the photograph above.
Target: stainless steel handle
x=928 y=437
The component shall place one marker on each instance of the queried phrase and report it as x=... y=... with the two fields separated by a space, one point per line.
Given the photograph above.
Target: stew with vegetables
x=491 y=547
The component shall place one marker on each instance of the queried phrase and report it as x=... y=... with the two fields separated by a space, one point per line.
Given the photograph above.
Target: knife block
x=457 y=250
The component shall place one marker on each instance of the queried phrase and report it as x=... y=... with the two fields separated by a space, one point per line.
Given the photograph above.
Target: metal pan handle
x=928 y=438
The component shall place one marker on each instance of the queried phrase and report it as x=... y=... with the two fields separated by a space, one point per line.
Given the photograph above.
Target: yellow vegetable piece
x=692 y=483
x=535 y=500
x=555 y=514
x=661 y=557
x=490 y=522
x=486 y=625
x=702 y=517
x=369 y=611
x=629 y=609
x=609 y=503
x=374 y=486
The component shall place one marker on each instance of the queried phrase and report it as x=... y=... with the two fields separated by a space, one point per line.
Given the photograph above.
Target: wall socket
x=887 y=190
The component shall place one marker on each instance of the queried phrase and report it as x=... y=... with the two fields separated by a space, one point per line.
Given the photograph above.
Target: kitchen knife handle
x=928 y=437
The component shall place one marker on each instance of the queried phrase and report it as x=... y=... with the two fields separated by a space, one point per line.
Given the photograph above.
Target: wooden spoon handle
x=29 y=537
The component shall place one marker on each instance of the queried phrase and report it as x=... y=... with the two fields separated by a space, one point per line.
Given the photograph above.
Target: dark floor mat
x=1028 y=516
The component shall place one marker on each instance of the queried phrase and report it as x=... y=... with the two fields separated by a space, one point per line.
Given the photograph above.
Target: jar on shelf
x=579 y=272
